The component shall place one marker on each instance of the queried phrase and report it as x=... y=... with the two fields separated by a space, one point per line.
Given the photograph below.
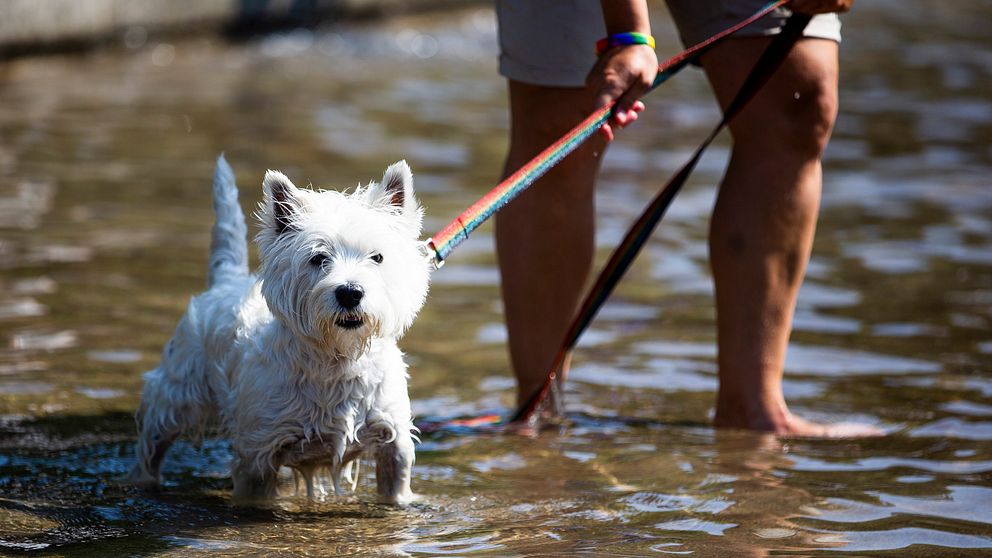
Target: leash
x=458 y=230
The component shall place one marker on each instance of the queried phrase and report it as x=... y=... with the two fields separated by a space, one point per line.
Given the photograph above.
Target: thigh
x=540 y=114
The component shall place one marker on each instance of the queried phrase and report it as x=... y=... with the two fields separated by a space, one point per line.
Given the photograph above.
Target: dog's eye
x=319 y=260
x=377 y=257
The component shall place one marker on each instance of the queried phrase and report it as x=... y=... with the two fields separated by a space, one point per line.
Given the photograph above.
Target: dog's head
x=340 y=269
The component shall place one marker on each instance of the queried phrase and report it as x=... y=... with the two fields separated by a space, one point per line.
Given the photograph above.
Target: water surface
x=105 y=164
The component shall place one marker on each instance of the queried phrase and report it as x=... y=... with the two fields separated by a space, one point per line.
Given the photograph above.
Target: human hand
x=813 y=7
x=623 y=73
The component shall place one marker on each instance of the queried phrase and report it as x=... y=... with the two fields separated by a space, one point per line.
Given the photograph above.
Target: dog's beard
x=332 y=329
x=344 y=339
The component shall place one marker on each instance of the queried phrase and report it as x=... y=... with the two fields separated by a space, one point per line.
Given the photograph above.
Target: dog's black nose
x=349 y=295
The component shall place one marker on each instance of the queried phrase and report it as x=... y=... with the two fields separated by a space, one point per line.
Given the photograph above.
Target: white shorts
x=552 y=42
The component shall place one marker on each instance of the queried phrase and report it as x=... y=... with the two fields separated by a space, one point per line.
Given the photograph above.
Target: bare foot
x=796 y=427
x=786 y=425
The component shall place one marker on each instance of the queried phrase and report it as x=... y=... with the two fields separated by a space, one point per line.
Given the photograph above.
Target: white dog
x=298 y=365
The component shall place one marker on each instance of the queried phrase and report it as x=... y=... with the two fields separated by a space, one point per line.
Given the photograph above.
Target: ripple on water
x=834 y=362
x=963 y=503
x=824 y=296
x=661 y=374
x=890 y=257
x=677 y=349
x=25 y=388
x=432 y=153
x=60 y=253
x=804 y=463
x=44 y=340
x=900 y=329
x=654 y=502
x=809 y=320
x=814 y=360
x=625 y=312
x=953 y=427
x=35 y=285
x=916 y=479
x=863 y=541
x=695 y=524
x=507 y=462
x=467 y=274
x=969 y=408
x=21 y=308
x=100 y=393
x=453 y=547
x=210 y=545
x=951 y=383
x=24 y=209
x=120 y=356
x=491 y=334
x=11 y=368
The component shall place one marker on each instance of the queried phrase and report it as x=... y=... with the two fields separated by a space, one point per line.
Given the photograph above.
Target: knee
x=798 y=120
x=811 y=116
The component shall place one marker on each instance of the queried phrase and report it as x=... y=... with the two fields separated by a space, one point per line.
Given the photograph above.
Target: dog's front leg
x=251 y=484
x=393 y=467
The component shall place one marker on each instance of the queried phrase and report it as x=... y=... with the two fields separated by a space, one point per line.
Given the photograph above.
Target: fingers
x=606 y=131
x=621 y=119
x=624 y=118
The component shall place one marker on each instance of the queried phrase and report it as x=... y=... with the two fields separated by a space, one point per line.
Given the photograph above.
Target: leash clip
x=429 y=252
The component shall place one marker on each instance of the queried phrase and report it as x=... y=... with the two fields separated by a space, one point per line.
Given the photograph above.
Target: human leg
x=544 y=238
x=763 y=224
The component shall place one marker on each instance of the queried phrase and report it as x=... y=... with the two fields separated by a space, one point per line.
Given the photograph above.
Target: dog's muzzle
x=349 y=296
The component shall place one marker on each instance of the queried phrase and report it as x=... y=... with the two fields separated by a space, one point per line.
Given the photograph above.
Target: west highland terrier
x=299 y=364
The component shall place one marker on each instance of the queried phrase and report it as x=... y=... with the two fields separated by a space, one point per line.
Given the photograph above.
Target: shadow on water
x=58 y=477
x=60 y=491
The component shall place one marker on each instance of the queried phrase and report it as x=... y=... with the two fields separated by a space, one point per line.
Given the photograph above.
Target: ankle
x=752 y=412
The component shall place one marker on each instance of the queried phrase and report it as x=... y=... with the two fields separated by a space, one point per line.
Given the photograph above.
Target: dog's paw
x=401 y=499
x=140 y=478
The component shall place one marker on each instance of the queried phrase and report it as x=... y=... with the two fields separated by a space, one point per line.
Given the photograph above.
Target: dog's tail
x=228 y=239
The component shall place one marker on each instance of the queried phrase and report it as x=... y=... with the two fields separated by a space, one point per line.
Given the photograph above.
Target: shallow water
x=105 y=163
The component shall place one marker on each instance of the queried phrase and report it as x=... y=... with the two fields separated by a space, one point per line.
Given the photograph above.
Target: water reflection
x=104 y=219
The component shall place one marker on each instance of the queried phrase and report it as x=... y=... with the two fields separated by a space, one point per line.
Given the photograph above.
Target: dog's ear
x=281 y=202
x=396 y=189
x=397 y=184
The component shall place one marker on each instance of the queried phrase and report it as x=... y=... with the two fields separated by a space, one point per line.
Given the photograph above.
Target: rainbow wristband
x=619 y=39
